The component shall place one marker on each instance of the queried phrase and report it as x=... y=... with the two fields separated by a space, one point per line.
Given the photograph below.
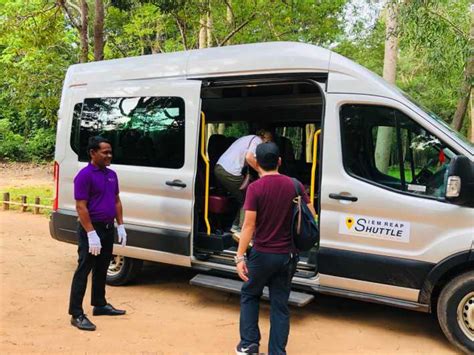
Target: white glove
x=94 y=243
x=122 y=234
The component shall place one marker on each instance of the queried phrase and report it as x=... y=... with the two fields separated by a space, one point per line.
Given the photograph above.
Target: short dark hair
x=267 y=156
x=94 y=144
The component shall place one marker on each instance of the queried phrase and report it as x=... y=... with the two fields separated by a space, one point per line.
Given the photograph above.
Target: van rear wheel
x=456 y=311
x=122 y=270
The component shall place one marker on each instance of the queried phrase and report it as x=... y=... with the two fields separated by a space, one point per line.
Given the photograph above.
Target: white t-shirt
x=233 y=160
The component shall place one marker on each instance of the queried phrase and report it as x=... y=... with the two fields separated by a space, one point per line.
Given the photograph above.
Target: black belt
x=106 y=225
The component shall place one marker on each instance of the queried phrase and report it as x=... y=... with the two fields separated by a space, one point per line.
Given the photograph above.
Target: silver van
x=392 y=184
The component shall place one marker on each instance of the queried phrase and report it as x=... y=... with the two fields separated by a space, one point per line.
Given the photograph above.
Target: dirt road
x=25 y=174
x=168 y=316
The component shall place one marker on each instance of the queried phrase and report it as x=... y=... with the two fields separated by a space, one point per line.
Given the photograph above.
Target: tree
x=99 y=30
x=468 y=75
x=436 y=34
x=384 y=134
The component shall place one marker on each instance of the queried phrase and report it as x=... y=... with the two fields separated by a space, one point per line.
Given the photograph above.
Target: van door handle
x=177 y=183
x=343 y=197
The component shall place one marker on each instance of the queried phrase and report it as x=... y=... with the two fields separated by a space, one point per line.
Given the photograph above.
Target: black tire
x=122 y=270
x=456 y=311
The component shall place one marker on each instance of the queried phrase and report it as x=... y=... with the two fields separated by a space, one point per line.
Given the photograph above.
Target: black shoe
x=82 y=322
x=251 y=349
x=107 y=310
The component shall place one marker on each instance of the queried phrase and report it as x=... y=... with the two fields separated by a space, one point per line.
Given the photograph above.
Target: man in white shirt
x=228 y=170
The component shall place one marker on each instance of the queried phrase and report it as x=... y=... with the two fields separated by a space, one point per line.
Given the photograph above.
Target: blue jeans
x=276 y=272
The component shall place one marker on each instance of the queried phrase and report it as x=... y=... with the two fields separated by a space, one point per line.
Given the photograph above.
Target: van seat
x=219 y=204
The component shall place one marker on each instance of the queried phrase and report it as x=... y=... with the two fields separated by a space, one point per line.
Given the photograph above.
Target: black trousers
x=87 y=263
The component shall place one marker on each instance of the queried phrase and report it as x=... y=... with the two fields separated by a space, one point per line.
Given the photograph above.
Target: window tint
x=383 y=145
x=144 y=131
x=76 y=120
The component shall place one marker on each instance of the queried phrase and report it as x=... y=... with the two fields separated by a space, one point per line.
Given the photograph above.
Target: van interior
x=292 y=111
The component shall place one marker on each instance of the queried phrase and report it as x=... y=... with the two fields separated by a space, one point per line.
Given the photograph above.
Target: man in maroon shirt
x=272 y=260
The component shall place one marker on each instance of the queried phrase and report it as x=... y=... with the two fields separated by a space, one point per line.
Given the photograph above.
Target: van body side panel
x=437 y=229
x=382 y=269
x=459 y=261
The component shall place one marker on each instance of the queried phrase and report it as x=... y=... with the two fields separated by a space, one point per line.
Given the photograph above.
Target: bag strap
x=250 y=143
x=296 y=183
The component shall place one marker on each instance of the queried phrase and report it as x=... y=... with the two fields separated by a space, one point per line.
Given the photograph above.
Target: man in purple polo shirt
x=96 y=192
x=272 y=260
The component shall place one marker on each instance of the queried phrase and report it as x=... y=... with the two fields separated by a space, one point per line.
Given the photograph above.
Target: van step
x=298 y=299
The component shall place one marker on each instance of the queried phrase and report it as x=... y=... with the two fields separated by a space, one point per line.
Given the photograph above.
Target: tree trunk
x=384 y=134
x=221 y=128
x=202 y=27
x=466 y=85
x=472 y=116
x=156 y=46
x=230 y=17
x=209 y=27
x=99 y=30
x=84 y=57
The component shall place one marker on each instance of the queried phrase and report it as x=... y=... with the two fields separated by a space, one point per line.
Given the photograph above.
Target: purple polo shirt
x=99 y=187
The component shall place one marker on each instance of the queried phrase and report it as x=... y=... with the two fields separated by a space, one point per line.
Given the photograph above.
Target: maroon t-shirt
x=271 y=197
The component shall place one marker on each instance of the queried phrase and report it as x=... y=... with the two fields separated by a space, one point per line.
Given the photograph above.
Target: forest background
x=39 y=39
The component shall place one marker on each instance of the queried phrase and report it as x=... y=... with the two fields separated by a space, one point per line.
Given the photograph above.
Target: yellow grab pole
x=313 y=168
x=206 y=161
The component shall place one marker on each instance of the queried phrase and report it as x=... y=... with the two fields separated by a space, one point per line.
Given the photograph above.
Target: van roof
x=245 y=59
x=344 y=75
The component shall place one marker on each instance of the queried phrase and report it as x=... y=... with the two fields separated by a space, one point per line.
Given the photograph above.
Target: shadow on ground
x=334 y=309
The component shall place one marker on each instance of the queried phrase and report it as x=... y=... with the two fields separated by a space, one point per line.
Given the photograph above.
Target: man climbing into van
x=230 y=166
x=272 y=260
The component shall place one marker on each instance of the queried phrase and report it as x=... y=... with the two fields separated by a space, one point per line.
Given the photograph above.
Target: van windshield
x=433 y=115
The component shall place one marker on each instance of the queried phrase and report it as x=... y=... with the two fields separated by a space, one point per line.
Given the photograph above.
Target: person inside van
x=229 y=170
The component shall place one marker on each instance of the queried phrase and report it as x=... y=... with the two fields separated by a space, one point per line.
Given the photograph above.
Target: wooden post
x=6 y=201
x=23 y=203
x=36 y=210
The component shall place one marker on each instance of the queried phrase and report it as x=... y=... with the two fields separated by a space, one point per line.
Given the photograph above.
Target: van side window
x=384 y=146
x=144 y=131
x=76 y=120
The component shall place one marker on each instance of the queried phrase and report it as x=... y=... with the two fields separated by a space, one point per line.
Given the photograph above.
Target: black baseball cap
x=267 y=155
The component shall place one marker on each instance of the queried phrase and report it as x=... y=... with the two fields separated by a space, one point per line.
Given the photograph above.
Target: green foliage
x=434 y=49
x=36 y=49
x=38 y=43
x=41 y=145
x=11 y=144
x=14 y=147
x=368 y=50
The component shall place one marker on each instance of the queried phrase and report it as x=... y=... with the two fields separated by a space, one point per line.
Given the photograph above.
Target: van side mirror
x=460 y=181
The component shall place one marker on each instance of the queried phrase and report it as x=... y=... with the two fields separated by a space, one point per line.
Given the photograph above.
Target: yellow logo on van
x=374 y=227
x=349 y=222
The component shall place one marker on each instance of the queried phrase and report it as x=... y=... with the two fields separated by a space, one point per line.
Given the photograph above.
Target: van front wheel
x=122 y=270
x=456 y=311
